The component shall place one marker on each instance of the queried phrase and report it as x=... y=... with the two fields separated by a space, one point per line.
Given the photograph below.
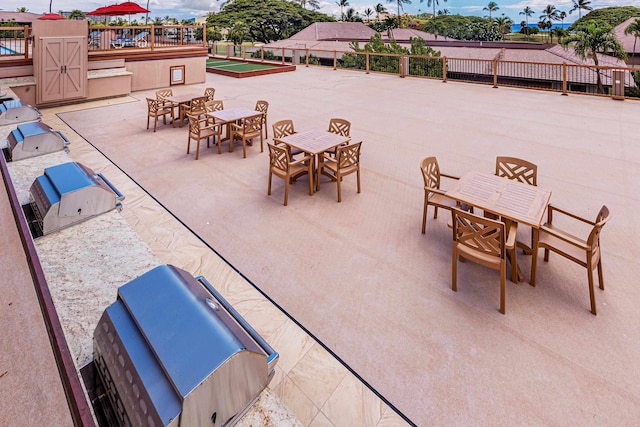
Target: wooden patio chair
x=281 y=129
x=209 y=93
x=211 y=106
x=281 y=165
x=249 y=128
x=195 y=107
x=347 y=161
x=486 y=242
x=433 y=194
x=340 y=127
x=156 y=109
x=263 y=107
x=582 y=251
x=200 y=129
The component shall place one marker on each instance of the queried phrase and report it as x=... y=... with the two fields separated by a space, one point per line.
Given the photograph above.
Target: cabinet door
x=52 y=57
x=75 y=73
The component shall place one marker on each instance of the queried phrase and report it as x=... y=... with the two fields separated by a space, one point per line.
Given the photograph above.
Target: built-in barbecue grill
x=34 y=139
x=13 y=112
x=171 y=351
x=67 y=194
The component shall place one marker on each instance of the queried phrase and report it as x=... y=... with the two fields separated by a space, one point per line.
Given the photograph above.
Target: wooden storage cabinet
x=62 y=70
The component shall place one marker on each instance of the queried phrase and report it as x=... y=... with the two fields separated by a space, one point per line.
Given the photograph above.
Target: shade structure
x=50 y=17
x=119 y=9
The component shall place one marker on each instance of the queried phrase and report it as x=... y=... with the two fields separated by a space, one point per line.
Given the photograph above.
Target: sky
x=185 y=9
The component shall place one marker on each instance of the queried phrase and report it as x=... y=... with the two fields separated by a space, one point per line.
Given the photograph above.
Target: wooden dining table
x=230 y=116
x=179 y=101
x=315 y=142
x=504 y=197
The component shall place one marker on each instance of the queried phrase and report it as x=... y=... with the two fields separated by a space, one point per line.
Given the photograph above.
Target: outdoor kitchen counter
x=86 y=263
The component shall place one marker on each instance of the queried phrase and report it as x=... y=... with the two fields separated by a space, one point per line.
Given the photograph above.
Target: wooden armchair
x=263 y=107
x=211 y=106
x=486 y=242
x=347 y=161
x=517 y=169
x=281 y=165
x=195 y=107
x=157 y=109
x=433 y=194
x=340 y=127
x=249 y=128
x=200 y=129
x=281 y=129
x=585 y=252
x=209 y=93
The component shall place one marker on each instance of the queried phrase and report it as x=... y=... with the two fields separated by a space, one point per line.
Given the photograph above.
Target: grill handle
x=66 y=141
x=119 y=195
x=272 y=355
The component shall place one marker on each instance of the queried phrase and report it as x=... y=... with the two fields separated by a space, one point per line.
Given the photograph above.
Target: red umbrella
x=126 y=8
x=50 y=17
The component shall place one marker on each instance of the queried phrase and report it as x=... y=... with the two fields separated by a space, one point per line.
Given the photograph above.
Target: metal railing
x=145 y=37
x=559 y=77
x=15 y=42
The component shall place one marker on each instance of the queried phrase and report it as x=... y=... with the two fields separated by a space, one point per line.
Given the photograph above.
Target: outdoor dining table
x=179 y=100
x=229 y=116
x=315 y=142
x=504 y=197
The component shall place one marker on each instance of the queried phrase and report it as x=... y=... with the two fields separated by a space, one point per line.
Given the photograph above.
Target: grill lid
x=34 y=139
x=16 y=112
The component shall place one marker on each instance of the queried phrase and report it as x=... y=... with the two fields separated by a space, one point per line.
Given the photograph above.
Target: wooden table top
x=502 y=196
x=314 y=141
x=186 y=97
x=232 y=114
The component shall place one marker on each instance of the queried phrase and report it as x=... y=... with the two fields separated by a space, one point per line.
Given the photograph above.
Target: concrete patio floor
x=362 y=279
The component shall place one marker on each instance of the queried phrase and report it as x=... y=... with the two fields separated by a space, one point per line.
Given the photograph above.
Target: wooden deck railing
x=150 y=37
x=15 y=42
x=559 y=77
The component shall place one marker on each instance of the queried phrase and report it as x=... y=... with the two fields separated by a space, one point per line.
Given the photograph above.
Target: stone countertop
x=85 y=264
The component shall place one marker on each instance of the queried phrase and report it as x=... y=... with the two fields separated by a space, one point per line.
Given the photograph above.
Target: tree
x=580 y=5
x=634 y=29
x=527 y=12
x=491 y=7
x=399 y=3
x=352 y=15
x=76 y=14
x=313 y=4
x=549 y=14
x=380 y=9
x=238 y=33
x=503 y=23
x=434 y=3
x=590 y=40
x=22 y=9
x=342 y=4
x=268 y=20
x=444 y=12
x=368 y=12
x=562 y=15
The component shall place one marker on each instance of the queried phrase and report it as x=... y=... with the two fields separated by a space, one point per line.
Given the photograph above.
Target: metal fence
x=561 y=77
x=145 y=37
x=15 y=42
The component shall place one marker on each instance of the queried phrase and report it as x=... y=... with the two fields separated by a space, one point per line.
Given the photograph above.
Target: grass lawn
x=236 y=66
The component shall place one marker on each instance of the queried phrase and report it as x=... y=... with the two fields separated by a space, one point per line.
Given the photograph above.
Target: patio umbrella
x=50 y=17
x=119 y=9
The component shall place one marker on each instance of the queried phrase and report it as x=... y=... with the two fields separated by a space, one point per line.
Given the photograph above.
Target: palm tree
x=399 y=3
x=581 y=5
x=592 y=39
x=342 y=4
x=634 y=29
x=380 y=9
x=562 y=15
x=368 y=12
x=550 y=13
x=491 y=7
x=351 y=15
x=504 y=24
x=444 y=12
x=434 y=3
x=22 y=9
x=527 y=12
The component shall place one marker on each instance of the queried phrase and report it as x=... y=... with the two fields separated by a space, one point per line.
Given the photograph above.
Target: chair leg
x=188 y=144
x=503 y=279
x=514 y=265
x=197 y=148
x=155 y=123
x=454 y=268
x=286 y=190
x=310 y=173
x=148 y=117
x=269 y=186
x=244 y=148
x=600 y=276
x=435 y=212
x=424 y=214
x=592 y=295
x=358 y=177
x=534 y=259
x=338 y=180
x=261 y=146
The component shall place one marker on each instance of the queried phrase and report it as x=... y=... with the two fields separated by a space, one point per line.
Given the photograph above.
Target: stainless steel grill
x=171 y=351
x=34 y=139
x=67 y=194
x=13 y=112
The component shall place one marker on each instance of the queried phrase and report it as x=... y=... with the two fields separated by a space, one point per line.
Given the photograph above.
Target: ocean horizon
x=515 y=28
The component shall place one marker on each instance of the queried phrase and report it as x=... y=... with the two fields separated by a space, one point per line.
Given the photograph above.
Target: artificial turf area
x=238 y=69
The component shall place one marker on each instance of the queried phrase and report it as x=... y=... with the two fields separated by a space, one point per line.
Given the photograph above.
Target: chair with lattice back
x=162 y=95
x=346 y=161
x=434 y=195
x=156 y=109
x=200 y=129
x=209 y=93
x=195 y=107
x=281 y=129
x=248 y=129
x=282 y=165
x=484 y=241
x=582 y=251
x=263 y=107
x=517 y=169
x=340 y=127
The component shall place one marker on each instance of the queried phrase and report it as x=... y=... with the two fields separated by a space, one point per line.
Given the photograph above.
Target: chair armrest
x=512 y=231
x=326 y=156
x=434 y=190
x=235 y=126
x=552 y=208
x=449 y=176
x=566 y=237
x=302 y=160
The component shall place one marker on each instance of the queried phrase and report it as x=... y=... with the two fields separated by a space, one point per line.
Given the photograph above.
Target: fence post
x=444 y=69
x=261 y=53
x=367 y=62
x=26 y=42
x=564 y=79
x=153 y=37
x=495 y=73
x=335 y=60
